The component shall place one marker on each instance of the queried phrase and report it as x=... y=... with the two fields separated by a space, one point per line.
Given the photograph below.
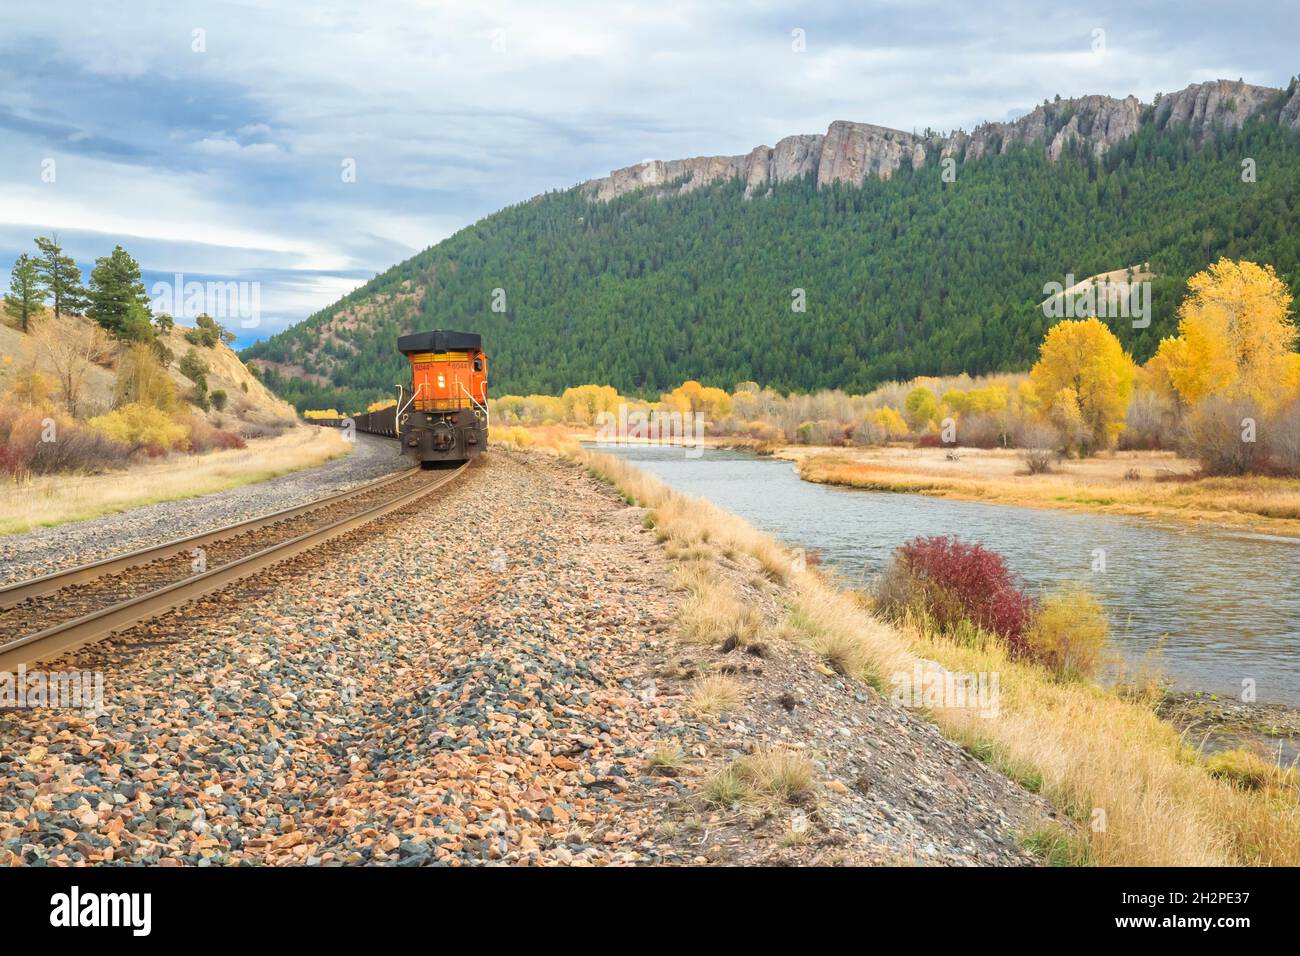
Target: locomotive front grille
x=442 y=404
x=424 y=358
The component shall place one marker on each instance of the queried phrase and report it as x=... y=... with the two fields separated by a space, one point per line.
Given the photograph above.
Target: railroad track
x=56 y=613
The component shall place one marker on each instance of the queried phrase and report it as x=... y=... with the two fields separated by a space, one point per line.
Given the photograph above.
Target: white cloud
x=240 y=145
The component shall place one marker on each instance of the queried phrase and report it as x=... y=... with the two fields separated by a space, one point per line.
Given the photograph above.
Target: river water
x=1218 y=607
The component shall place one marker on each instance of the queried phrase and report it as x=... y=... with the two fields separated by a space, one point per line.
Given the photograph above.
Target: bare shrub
x=41 y=443
x=1147 y=423
x=1284 y=439
x=205 y=437
x=869 y=433
x=1038 y=443
x=1218 y=434
x=72 y=348
x=979 y=431
x=251 y=430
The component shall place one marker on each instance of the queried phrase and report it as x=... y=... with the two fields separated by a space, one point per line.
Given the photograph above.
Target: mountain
x=915 y=253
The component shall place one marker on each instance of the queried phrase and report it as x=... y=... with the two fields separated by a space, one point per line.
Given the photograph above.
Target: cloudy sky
x=214 y=139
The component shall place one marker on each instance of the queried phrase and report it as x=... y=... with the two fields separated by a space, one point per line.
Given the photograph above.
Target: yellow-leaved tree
x=582 y=403
x=1089 y=378
x=691 y=397
x=1235 y=339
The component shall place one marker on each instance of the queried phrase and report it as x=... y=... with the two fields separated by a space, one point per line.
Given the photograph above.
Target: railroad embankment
x=517 y=671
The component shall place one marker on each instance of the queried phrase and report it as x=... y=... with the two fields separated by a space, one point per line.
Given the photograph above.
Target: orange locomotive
x=445 y=418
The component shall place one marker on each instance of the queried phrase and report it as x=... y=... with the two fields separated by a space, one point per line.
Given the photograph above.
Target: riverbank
x=1142 y=484
x=46 y=501
x=1135 y=790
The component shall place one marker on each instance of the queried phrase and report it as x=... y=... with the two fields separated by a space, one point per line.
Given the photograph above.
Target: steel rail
x=20 y=591
x=70 y=635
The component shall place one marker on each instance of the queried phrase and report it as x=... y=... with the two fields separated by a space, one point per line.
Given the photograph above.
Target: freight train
x=443 y=416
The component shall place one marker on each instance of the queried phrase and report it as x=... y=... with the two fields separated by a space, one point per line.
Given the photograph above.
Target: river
x=1218 y=607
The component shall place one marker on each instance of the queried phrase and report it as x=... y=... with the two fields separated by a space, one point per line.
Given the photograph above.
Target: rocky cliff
x=853 y=152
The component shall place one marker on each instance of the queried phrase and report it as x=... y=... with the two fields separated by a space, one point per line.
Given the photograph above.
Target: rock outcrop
x=1217 y=104
x=854 y=152
x=1098 y=122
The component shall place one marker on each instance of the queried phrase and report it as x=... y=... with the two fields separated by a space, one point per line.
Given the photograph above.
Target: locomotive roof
x=439 y=341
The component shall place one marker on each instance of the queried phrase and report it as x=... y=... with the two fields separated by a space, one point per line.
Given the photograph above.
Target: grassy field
x=1147 y=484
x=1137 y=794
x=49 y=500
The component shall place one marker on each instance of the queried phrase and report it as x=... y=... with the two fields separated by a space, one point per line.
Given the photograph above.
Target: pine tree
x=60 y=277
x=118 y=301
x=25 y=291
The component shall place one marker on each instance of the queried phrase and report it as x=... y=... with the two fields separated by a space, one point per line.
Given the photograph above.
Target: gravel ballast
x=480 y=679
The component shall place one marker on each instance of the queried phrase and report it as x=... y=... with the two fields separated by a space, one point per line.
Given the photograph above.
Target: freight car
x=443 y=416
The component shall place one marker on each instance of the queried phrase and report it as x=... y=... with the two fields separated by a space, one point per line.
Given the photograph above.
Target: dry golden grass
x=1267 y=504
x=767 y=776
x=666 y=756
x=50 y=500
x=711 y=614
x=715 y=694
x=1098 y=757
x=551 y=438
x=1253 y=771
x=1140 y=795
x=775 y=772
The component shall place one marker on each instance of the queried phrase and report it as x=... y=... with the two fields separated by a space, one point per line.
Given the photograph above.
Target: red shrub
x=205 y=437
x=960 y=580
x=14 y=461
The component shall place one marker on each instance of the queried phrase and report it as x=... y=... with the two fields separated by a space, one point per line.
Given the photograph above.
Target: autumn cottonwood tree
x=141 y=379
x=1085 y=378
x=26 y=293
x=921 y=406
x=1235 y=339
x=691 y=397
x=60 y=277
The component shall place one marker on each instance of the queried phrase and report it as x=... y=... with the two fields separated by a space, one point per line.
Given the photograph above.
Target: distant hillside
x=249 y=404
x=667 y=271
